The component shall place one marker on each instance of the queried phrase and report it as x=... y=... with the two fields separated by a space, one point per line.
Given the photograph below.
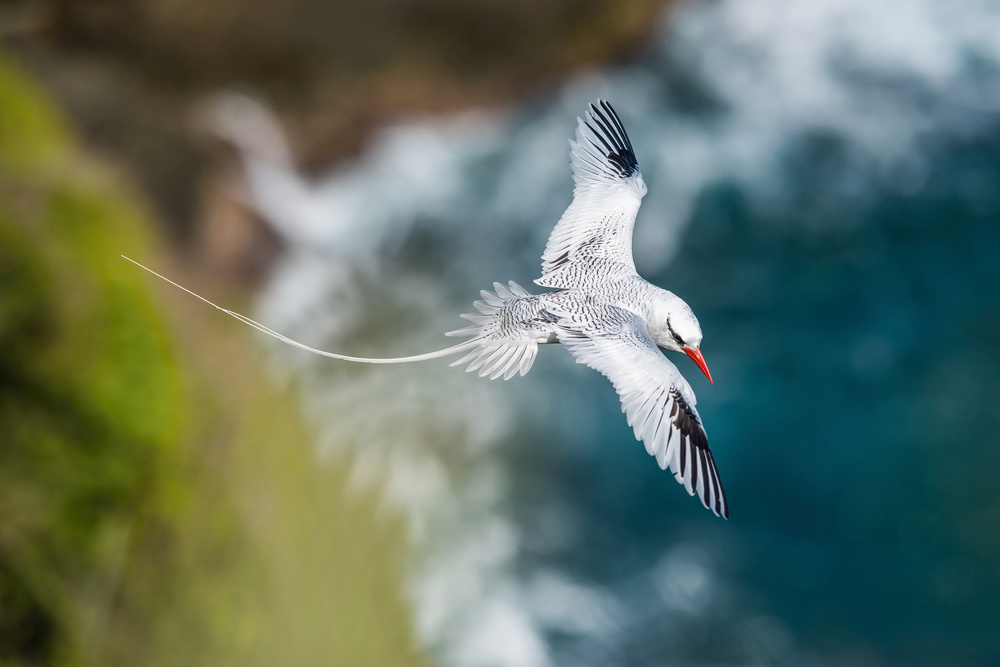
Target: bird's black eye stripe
x=680 y=341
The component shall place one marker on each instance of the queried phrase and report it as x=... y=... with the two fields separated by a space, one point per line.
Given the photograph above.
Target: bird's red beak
x=695 y=354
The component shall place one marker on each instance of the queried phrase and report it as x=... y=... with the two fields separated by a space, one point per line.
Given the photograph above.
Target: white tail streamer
x=294 y=343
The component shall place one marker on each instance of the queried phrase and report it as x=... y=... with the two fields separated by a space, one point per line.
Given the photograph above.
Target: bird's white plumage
x=507 y=341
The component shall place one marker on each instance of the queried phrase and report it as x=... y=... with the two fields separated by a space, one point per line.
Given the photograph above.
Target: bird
x=598 y=308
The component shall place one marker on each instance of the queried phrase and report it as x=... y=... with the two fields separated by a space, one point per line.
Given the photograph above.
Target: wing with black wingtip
x=656 y=399
x=593 y=239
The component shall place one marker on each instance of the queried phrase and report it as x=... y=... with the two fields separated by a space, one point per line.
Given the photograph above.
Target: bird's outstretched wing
x=656 y=399
x=593 y=239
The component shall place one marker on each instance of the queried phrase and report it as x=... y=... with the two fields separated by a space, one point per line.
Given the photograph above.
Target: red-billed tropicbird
x=600 y=309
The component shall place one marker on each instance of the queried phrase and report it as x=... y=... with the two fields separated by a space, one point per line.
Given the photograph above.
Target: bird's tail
x=462 y=347
x=506 y=332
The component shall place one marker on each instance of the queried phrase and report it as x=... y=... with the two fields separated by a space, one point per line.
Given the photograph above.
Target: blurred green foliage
x=159 y=504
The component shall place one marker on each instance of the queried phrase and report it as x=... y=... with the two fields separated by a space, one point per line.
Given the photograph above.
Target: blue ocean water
x=857 y=431
x=825 y=193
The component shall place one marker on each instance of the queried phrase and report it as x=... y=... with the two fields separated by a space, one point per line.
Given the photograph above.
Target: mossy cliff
x=159 y=501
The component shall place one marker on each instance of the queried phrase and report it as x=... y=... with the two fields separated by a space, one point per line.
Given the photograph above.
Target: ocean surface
x=824 y=191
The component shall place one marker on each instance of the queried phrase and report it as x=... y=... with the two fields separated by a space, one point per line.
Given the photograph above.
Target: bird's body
x=599 y=309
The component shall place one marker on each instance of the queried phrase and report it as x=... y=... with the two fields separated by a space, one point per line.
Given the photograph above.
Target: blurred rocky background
x=133 y=74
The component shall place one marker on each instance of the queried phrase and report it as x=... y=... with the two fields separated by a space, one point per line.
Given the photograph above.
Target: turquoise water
x=825 y=193
x=859 y=369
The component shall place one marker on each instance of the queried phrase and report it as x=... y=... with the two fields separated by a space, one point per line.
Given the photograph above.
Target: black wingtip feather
x=614 y=137
x=617 y=121
x=694 y=466
x=693 y=435
x=683 y=445
x=706 y=494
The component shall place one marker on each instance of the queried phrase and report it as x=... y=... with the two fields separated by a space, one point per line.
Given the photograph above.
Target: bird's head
x=674 y=327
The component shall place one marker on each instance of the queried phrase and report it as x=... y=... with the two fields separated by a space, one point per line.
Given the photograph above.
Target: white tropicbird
x=600 y=309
